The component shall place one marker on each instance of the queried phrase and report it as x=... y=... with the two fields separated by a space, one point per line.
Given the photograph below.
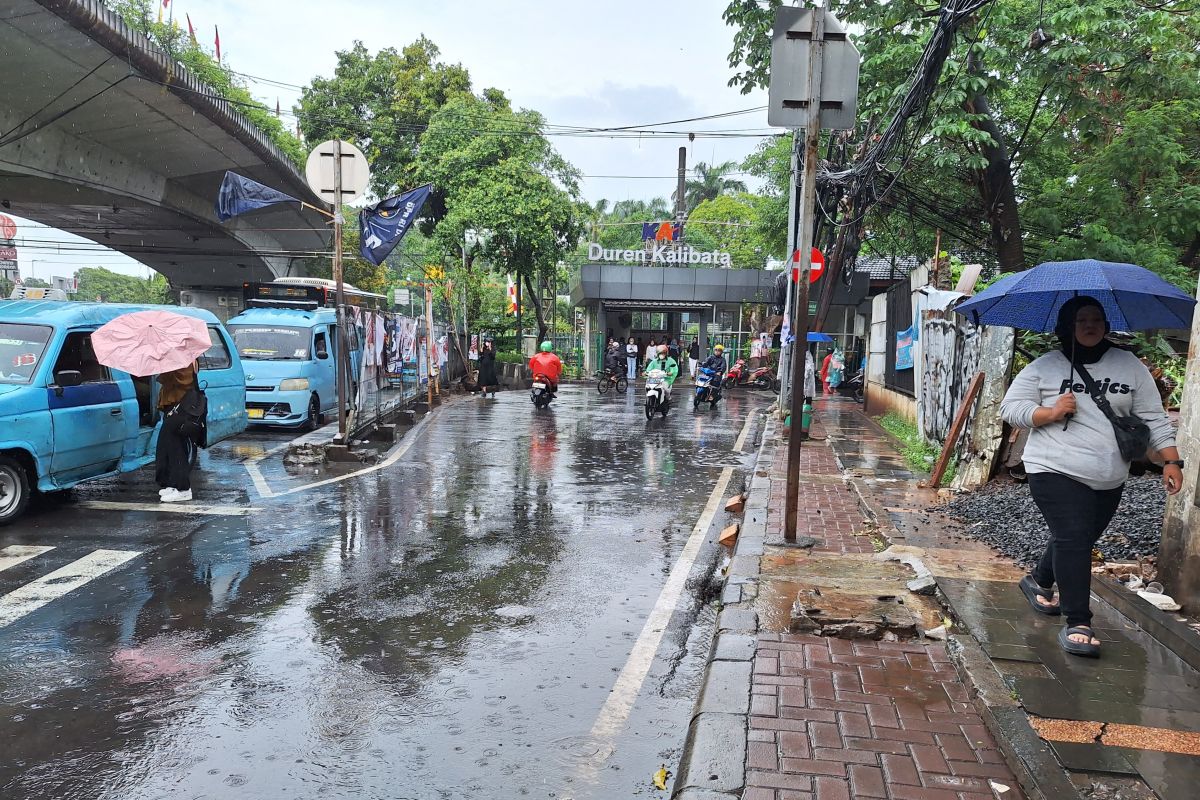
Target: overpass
x=104 y=135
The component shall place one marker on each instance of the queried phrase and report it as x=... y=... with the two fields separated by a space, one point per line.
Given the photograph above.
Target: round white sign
x=319 y=170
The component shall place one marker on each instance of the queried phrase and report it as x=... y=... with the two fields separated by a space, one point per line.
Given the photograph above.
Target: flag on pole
x=239 y=195
x=218 y=40
x=383 y=225
x=512 y=296
x=165 y=3
x=191 y=30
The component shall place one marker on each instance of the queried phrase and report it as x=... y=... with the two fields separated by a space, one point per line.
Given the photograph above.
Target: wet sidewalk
x=896 y=715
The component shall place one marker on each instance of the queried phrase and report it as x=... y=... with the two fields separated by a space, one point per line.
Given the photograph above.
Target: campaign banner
x=904 y=348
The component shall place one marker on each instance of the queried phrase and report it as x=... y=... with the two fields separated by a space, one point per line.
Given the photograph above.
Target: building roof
x=883 y=268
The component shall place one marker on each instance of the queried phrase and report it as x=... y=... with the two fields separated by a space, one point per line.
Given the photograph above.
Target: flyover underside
x=93 y=142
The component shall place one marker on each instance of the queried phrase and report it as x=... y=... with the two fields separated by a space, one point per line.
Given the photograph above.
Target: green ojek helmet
x=547 y=346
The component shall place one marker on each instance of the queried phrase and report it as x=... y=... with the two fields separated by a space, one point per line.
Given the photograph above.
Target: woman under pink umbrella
x=165 y=344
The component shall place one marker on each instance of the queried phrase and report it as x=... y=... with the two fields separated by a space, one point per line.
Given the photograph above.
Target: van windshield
x=271 y=343
x=21 y=349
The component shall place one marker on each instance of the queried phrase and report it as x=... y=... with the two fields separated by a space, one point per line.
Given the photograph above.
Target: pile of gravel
x=1004 y=516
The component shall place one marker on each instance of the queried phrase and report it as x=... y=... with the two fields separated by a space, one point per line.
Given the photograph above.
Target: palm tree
x=710 y=183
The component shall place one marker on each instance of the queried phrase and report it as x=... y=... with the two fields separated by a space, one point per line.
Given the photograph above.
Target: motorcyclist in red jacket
x=547 y=365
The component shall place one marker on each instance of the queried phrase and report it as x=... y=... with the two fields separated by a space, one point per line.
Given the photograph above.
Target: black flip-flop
x=1032 y=592
x=1079 y=648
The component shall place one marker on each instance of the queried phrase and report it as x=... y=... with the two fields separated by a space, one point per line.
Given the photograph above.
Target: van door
x=89 y=417
x=325 y=367
x=224 y=383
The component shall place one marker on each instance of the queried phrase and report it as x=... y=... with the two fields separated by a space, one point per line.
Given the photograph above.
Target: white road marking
x=35 y=594
x=170 y=508
x=620 y=700
x=17 y=553
x=264 y=490
x=741 y=440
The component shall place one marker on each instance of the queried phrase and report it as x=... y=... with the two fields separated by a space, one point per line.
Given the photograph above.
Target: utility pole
x=429 y=344
x=681 y=190
x=812 y=140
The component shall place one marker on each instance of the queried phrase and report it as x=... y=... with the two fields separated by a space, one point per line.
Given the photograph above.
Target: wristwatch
x=1176 y=462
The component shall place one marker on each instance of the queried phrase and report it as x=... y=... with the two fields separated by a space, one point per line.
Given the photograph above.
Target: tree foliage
x=97 y=284
x=729 y=222
x=711 y=182
x=383 y=103
x=1027 y=152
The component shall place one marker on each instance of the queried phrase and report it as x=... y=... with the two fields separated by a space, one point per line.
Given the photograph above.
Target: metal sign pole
x=343 y=354
x=812 y=139
x=786 y=350
x=429 y=343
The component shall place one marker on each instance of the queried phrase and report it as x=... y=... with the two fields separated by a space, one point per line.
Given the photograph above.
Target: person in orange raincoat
x=547 y=364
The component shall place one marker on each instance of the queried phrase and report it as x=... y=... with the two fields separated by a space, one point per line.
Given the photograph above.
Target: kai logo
x=661 y=231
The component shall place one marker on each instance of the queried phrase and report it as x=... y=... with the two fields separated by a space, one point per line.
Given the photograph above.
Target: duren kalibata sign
x=667 y=254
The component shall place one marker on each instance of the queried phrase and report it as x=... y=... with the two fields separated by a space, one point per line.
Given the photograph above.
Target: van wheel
x=314 y=414
x=14 y=489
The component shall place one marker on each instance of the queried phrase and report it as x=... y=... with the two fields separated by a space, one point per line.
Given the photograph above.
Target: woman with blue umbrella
x=1091 y=408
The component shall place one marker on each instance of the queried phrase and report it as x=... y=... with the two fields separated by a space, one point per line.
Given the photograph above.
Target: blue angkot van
x=288 y=338
x=65 y=418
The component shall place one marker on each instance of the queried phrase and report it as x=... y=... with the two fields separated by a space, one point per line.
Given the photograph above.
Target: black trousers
x=172 y=469
x=1076 y=515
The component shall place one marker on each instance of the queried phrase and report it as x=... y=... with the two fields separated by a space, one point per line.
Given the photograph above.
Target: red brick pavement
x=833 y=719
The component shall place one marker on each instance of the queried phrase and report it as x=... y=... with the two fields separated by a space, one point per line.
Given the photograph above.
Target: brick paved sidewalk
x=836 y=719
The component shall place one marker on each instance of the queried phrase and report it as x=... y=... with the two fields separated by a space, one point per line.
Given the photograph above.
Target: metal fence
x=899 y=318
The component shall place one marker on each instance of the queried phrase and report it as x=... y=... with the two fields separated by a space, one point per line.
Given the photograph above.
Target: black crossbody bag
x=1132 y=432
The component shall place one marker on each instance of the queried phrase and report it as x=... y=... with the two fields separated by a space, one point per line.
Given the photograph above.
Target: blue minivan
x=288 y=338
x=65 y=418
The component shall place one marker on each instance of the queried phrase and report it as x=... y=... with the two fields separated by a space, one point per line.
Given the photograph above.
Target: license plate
x=539 y=386
x=255 y=413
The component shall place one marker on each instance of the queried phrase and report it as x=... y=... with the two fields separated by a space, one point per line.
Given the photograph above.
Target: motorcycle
x=765 y=378
x=658 y=393
x=708 y=388
x=736 y=375
x=853 y=387
x=540 y=394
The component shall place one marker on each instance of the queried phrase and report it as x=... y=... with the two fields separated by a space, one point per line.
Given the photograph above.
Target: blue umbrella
x=1134 y=298
x=815 y=336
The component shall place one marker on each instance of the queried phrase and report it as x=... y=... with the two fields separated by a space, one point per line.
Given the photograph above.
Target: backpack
x=194 y=408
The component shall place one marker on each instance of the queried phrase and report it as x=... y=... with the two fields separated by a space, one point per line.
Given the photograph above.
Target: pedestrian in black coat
x=487 y=369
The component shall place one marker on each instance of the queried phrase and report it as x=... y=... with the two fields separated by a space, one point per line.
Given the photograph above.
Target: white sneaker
x=164 y=492
x=176 y=496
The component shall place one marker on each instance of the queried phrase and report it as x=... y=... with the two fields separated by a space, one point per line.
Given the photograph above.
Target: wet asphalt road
x=447 y=626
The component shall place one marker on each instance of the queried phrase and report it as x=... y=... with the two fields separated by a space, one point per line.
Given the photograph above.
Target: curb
x=713 y=766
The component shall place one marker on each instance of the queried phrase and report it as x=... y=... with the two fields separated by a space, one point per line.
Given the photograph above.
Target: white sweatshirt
x=1087 y=450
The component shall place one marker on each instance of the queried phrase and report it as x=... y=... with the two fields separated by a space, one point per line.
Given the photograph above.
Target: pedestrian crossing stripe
x=38 y=593
x=16 y=554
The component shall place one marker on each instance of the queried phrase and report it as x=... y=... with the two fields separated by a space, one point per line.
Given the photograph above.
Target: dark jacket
x=614 y=360
x=487 y=369
x=716 y=363
x=694 y=351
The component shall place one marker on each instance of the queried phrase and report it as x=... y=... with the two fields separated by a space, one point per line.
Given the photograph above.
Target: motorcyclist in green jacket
x=667 y=364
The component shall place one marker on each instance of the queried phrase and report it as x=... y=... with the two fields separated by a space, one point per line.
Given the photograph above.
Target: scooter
x=736 y=375
x=708 y=388
x=540 y=394
x=853 y=387
x=764 y=378
x=658 y=393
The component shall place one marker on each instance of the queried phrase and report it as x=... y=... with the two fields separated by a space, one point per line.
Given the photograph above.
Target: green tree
x=499 y=177
x=729 y=222
x=383 y=103
x=711 y=182
x=1011 y=129
x=104 y=285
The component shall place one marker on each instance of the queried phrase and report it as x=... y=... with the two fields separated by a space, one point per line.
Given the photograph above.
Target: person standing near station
x=694 y=356
x=487 y=368
x=825 y=366
x=172 y=463
x=631 y=359
x=651 y=352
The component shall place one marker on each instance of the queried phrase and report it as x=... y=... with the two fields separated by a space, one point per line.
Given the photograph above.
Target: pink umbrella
x=150 y=342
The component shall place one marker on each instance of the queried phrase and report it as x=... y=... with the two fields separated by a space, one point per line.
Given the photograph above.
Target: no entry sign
x=816 y=266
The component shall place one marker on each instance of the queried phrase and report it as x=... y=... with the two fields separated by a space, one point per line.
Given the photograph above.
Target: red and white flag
x=512 y=296
x=218 y=42
x=191 y=30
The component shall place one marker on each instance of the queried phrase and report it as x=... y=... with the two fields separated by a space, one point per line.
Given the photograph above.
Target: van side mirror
x=68 y=377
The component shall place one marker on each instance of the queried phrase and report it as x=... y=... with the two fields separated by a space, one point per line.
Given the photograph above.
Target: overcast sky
x=606 y=64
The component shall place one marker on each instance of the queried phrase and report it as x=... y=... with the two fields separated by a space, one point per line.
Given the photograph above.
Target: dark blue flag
x=384 y=224
x=239 y=195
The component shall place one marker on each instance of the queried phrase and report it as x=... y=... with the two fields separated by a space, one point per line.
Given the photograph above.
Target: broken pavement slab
x=735 y=504
x=729 y=535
